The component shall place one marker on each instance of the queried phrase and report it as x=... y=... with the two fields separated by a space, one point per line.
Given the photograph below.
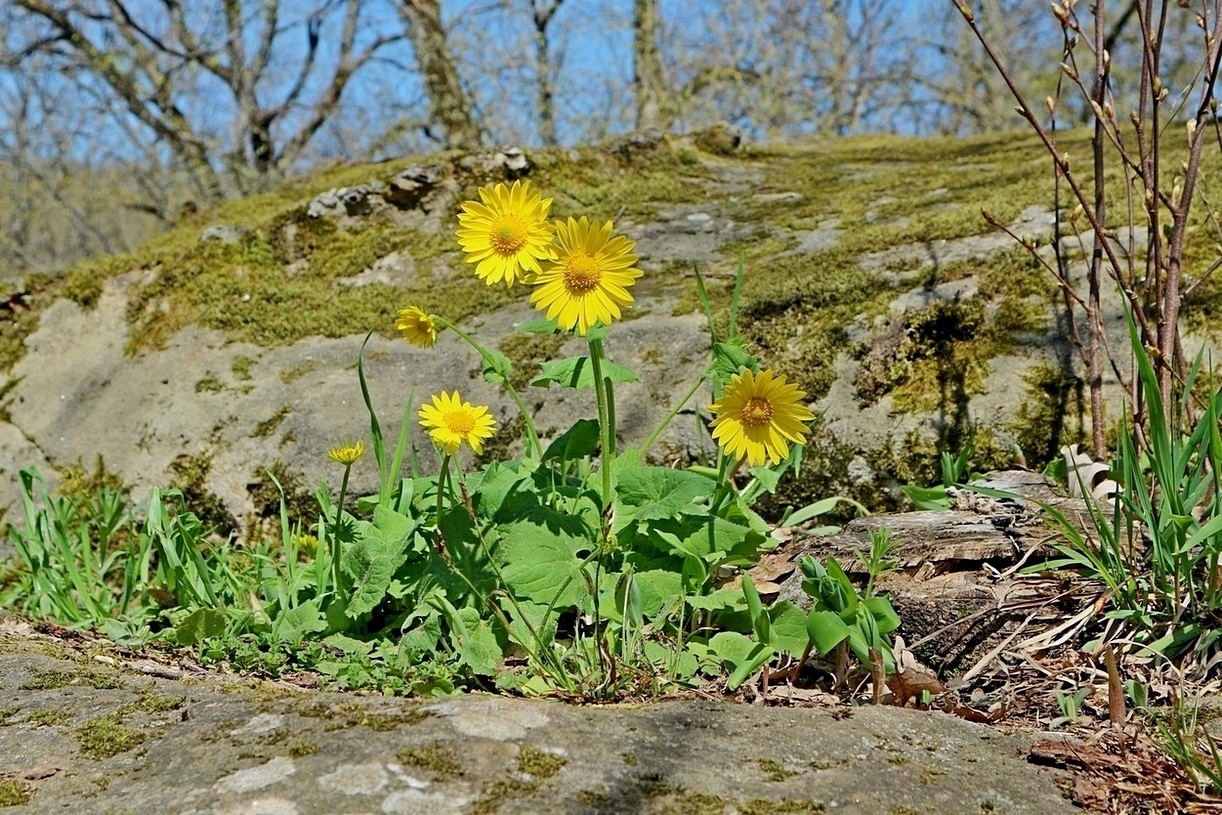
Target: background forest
x=119 y=116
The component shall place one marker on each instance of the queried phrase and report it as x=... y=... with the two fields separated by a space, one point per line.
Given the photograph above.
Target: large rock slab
x=90 y=732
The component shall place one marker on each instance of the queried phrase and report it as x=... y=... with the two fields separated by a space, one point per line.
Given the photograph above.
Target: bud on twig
x=1163 y=94
x=1098 y=111
x=1020 y=110
x=1107 y=60
x=1110 y=111
x=1065 y=162
x=1060 y=13
x=1077 y=213
x=1069 y=71
x=966 y=12
x=1177 y=192
x=1191 y=127
x=1051 y=104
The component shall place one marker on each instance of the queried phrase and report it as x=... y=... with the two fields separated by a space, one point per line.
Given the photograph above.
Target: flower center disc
x=757 y=411
x=582 y=274
x=460 y=423
x=508 y=236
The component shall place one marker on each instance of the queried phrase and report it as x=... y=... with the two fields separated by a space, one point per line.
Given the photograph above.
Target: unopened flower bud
x=1069 y=71
x=1060 y=13
x=1191 y=127
x=1051 y=104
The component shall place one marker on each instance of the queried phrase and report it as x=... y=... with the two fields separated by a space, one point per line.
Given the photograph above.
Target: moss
x=106 y=736
x=25 y=314
x=48 y=717
x=14 y=793
x=290 y=375
x=301 y=749
x=693 y=804
x=76 y=482
x=540 y=764
x=785 y=806
x=241 y=368
x=1051 y=415
x=58 y=678
x=775 y=770
x=268 y=426
x=501 y=790
x=440 y=759
x=7 y=713
x=526 y=351
x=209 y=384
x=629 y=758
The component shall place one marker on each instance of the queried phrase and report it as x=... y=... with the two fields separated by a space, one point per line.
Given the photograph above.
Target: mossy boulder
x=224 y=352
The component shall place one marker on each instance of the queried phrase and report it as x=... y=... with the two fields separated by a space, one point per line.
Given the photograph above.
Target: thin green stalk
x=604 y=420
x=534 y=448
x=442 y=482
x=674 y=412
x=336 y=571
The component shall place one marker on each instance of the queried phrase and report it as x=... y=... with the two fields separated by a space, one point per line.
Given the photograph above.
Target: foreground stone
x=94 y=734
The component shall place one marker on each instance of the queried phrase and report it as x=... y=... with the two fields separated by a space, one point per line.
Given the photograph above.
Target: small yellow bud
x=347 y=452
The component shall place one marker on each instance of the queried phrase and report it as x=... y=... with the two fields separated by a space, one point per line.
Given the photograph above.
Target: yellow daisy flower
x=508 y=234
x=451 y=421
x=758 y=415
x=588 y=282
x=347 y=452
x=417 y=327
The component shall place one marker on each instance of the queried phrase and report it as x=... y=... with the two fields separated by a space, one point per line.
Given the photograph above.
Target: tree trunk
x=451 y=107
x=648 y=84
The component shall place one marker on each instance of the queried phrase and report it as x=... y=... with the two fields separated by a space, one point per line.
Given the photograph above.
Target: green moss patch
x=437 y=758
x=14 y=793
x=539 y=763
x=59 y=678
x=48 y=717
x=106 y=736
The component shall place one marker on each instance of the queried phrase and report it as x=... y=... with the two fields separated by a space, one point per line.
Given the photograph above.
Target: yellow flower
x=417 y=327
x=347 y=452
x=758 y=415
x=508 y=234
x=451 y=421
x=588 y=282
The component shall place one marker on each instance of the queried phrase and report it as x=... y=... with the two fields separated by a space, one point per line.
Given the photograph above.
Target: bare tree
x=648 y=81
x=542 y=12
x=160 y=58
x=449 y=101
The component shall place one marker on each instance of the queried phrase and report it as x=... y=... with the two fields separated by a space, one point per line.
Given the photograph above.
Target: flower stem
x=337 y=575
x=442 y=482
x=605 y=420
x=533 y=448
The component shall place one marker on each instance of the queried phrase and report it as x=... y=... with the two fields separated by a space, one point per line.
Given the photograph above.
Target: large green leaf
x=826 y=630
x=578 y=373
x=374 y=557
x=476 y=644
x=729 y=359
x=661 y=591
x=648 y=493
x=578 y=441
x=788 y=628
x=294 y=624
x=543 y=563
x=201 y=624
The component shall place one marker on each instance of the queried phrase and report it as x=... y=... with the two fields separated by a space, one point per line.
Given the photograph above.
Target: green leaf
x=729 y=359
x=927 y=498
x=477 y=645
x=497 y=366
x=201 y=624
x=719 y=600
x=578 y=441
x=882 y=612
x=826 y=630
x=756 y=659
x=578 y=373
x=374 y=558
x=731 y=647
x=647 y=493
x=755 y=609
x=540 y=326
x=542 y=562
x=788 y=628
x=294 y=624
x=661 y=592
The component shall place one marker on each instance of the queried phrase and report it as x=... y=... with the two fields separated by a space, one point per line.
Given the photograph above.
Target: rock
x=220 y=746
x=225 y=233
